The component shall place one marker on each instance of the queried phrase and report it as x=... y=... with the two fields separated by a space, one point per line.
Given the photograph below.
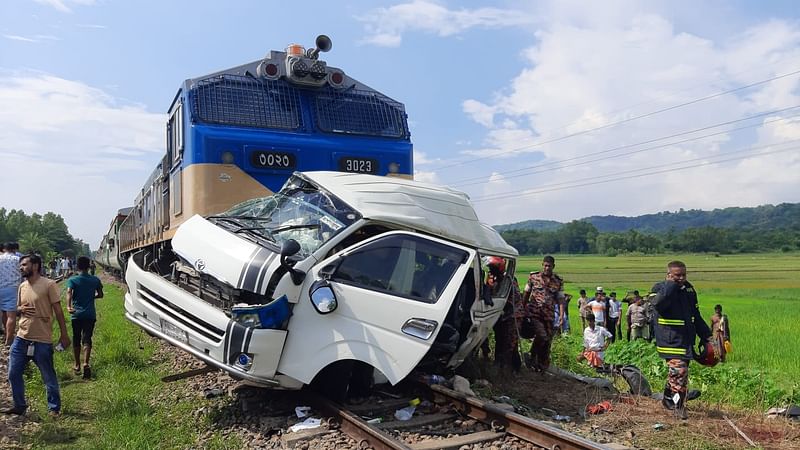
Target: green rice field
x=760 y=293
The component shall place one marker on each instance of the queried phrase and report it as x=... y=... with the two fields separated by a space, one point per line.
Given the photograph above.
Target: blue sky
x=84 y=85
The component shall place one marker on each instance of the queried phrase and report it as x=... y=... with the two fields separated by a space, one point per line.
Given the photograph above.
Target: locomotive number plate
x=358 y=165
x=273 y=160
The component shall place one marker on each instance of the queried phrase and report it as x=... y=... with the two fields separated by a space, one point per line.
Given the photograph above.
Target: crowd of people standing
x=669 y=314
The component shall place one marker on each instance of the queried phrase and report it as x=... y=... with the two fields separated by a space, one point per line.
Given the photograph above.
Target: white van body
x=383 y=266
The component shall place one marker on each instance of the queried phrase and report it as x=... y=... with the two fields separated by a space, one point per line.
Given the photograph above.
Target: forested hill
x=765 y=217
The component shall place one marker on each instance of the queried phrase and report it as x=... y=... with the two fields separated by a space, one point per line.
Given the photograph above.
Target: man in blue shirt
x=82 y=290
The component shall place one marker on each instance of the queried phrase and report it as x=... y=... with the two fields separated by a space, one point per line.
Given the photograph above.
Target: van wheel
x=333 y=380
x=344 y=379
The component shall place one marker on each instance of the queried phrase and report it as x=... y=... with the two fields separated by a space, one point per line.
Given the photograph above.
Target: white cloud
x=385 y=26
x=479 y=112
x=61 y=5
x=34 y=38
x=73 y=149
x=15 y=37
x=587 y=71
x=426 y=176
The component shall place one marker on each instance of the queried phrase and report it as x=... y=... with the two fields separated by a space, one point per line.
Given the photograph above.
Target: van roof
x=437 y=210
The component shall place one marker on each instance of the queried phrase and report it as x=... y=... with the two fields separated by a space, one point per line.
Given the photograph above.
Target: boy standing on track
x=82 y=290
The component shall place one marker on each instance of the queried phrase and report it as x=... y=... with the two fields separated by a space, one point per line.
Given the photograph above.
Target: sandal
x=87 y=372
x=77 y=370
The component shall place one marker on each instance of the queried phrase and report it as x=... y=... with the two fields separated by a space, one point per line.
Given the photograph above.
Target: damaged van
x=338 y=277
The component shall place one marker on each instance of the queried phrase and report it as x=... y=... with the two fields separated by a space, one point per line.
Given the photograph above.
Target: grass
x=759 y=293
x=119 y=408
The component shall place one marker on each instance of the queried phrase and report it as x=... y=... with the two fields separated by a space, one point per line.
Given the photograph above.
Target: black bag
x=526 y=330
x=636 y=380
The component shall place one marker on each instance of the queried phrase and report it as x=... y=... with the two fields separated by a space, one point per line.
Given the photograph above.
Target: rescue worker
x=543 y=291
x=506 y=338
x=677 y=321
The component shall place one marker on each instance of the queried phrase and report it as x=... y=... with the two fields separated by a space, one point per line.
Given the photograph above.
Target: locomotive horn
x=323 y=44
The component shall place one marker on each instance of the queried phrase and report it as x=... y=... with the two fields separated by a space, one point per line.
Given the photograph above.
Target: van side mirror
x=322 y=297
x=290 y=248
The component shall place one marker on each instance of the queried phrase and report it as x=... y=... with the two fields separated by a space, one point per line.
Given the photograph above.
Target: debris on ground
x=792 y=412
x=599 y=408
x=308 y=424
x=461 y=384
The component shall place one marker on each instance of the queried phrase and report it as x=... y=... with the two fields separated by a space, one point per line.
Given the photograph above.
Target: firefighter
x=677 y=320
x=543 y=292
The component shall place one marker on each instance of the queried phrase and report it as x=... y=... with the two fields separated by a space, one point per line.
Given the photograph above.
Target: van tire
x=333 y=380
x=343 y=379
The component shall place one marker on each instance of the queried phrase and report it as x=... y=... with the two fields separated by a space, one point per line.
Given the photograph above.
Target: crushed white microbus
x=337 y=274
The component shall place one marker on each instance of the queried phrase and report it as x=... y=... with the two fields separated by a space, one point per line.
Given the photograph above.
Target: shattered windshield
x=300 y=211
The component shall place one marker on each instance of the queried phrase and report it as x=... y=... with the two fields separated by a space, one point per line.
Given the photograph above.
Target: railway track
x=454 y=420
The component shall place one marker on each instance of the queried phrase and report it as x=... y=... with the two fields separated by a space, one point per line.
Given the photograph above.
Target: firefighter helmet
x=707 y=354
x=496 y=263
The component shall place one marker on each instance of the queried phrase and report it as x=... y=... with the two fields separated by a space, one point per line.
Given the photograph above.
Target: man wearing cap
x=543 y=292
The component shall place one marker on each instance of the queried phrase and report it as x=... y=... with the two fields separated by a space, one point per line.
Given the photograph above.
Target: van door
x=393 y=293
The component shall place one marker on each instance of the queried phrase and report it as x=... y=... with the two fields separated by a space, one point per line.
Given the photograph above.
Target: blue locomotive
x=240 y=133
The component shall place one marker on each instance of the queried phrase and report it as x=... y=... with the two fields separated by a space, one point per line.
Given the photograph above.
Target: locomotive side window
x=403 y=265
x=175 y=134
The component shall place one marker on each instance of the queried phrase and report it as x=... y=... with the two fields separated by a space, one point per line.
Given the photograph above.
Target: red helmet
x=708 y=355
x=497 y=263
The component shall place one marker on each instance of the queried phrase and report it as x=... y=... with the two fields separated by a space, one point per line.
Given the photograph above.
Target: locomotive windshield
x=300 y=211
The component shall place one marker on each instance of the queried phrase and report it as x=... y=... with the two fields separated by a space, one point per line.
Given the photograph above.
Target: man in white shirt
x=614 y=310
x=594 y=343
x=65 y=267
x=598 y=306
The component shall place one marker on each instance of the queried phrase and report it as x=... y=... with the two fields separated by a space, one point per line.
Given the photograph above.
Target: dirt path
x=11 y=426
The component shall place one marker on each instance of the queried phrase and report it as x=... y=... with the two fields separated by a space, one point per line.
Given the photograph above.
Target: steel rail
x=525 y=428
x=352 y=425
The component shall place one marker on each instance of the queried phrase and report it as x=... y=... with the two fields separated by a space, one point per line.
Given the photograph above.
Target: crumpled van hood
x=223 y=255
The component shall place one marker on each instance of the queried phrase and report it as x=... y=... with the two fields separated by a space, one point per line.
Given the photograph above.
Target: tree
x=32 y=242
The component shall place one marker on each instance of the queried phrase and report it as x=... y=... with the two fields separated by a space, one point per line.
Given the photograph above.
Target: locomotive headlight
x=227 y=158
x=299 y=68
x=394 y=167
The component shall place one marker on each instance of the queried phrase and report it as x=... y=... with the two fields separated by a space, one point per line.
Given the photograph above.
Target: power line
x=619 y=122
x=606 y=179
x=483 y=178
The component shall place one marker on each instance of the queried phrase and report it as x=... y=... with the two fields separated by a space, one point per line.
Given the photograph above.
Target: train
x=239 y=133
x=303 y=252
